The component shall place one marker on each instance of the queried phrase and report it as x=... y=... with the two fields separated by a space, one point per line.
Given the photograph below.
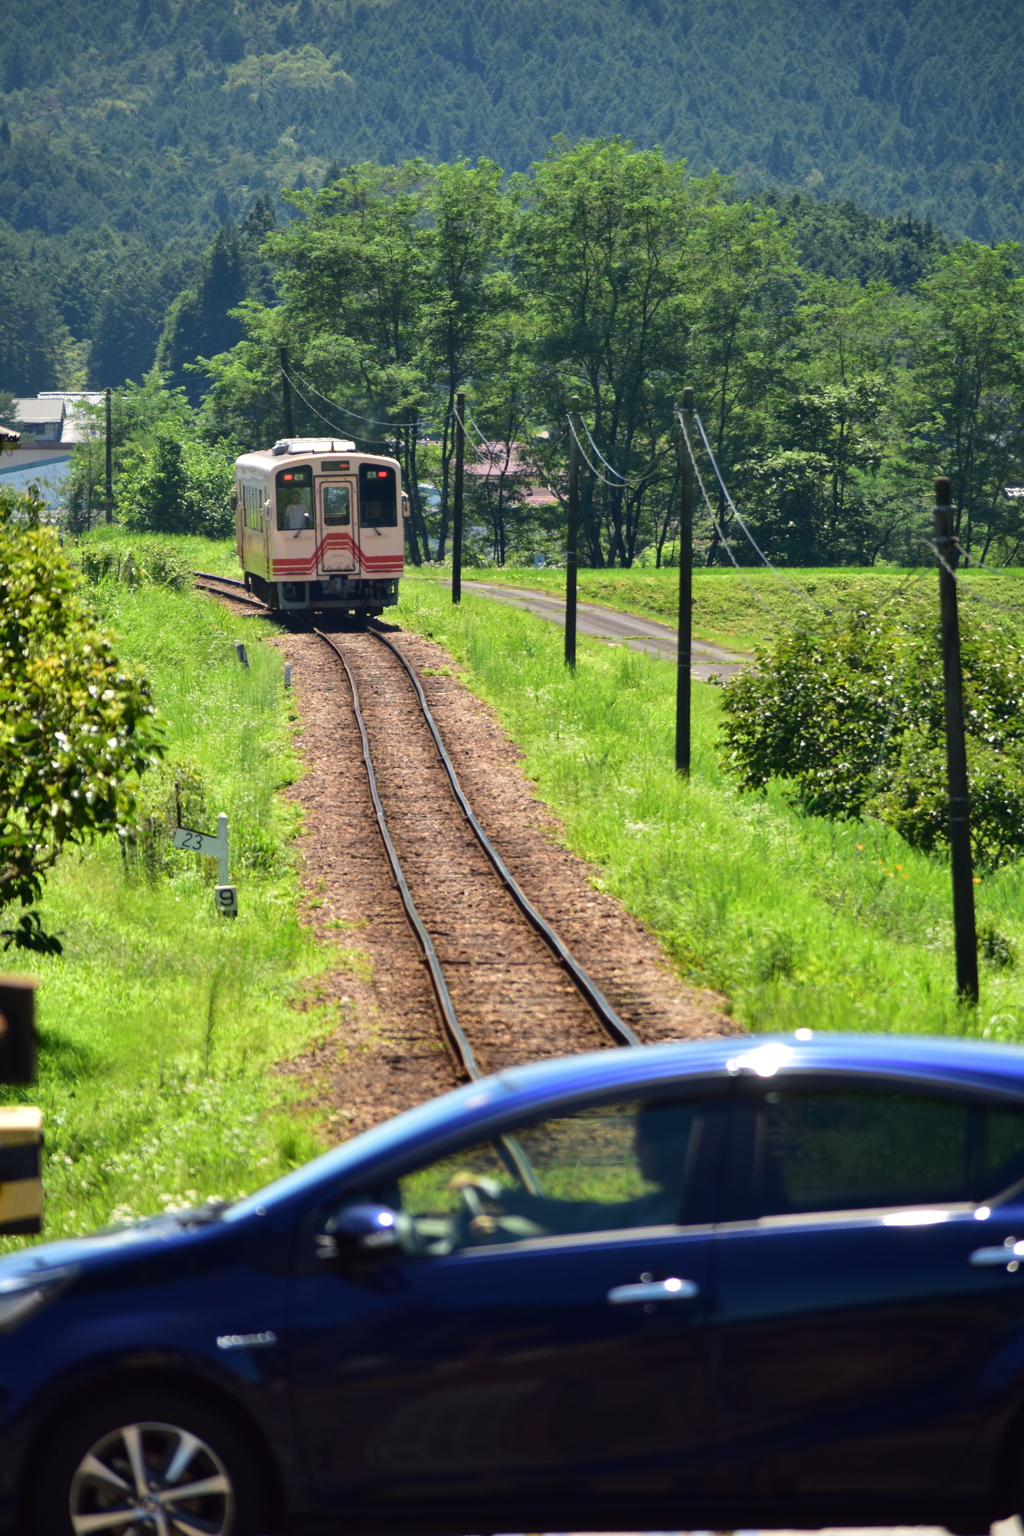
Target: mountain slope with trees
x=160 y=117
x=136 y=130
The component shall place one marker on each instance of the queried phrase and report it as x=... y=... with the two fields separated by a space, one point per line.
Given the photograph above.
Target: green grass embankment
x=803 y=921
x=741 y=610
x=161 y=1020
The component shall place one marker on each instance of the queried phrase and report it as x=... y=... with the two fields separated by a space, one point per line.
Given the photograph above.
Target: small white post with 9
x=225 y=895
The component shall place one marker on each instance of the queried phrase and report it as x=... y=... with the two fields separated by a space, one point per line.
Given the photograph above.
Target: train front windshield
x=378 y=500
x=295 y=498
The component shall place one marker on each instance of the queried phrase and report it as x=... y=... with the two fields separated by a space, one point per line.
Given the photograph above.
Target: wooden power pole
x=965 y=935
x=108 y=489
x=572 y=532
x=685 y=590
x=460 y=463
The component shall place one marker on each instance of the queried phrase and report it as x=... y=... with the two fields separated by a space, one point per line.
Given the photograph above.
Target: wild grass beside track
x=737 y=610
x=802 y=921
x=161 y=1020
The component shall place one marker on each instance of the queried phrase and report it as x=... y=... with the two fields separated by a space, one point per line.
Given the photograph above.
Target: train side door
x=267 y=520
x=336 y=550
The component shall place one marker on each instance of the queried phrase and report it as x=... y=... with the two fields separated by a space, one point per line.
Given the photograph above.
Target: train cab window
x=295 y=498
x=337 y=506
x=378 y=496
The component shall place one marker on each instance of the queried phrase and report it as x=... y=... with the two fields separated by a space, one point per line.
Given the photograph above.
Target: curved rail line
x=584 y=983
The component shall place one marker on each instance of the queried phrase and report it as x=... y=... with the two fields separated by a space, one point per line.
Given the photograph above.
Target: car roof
x=528 y=1089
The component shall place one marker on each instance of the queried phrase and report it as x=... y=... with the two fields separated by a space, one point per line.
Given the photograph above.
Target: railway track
x=506 y=986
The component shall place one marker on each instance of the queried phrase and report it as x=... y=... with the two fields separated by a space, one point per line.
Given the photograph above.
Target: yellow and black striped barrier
x=21 y=1173
x=21 y=1125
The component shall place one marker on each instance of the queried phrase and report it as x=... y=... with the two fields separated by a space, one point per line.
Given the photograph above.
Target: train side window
x=378 y=496
x=337 y=506
x=251 y=514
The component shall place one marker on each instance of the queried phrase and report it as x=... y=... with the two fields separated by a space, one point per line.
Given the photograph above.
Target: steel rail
x=229 y=581
x=514 y=1155
x=584 y=983
x=456 y=1035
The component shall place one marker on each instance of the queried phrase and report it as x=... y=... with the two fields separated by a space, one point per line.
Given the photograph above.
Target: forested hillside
x=161 y=117
x=134 y=130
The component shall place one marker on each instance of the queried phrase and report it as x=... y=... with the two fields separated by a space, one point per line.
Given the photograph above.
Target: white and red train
x=320 y=526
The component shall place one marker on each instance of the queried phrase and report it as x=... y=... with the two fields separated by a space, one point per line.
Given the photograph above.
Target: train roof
x=265 y=459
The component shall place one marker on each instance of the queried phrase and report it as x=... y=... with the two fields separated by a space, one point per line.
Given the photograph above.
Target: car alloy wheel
x=151 y=1477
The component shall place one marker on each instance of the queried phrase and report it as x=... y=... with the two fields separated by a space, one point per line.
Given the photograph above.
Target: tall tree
x=355 y=275
x=602 y=250
x=200 y=323
x=467 y=216
x=965 y=404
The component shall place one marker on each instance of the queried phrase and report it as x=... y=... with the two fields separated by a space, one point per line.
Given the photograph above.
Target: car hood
x=111 y=1244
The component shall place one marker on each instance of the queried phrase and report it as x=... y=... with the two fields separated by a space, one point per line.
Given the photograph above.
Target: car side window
x=847 y=1151
x=1003 y=1158
x=603 y=1168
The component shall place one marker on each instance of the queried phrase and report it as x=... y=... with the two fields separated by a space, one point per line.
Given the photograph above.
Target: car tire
x=131 y=1451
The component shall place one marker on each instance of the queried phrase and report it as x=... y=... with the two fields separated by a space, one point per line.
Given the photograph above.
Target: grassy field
x=802 y=921
x=161 y=1020
x=741 y=610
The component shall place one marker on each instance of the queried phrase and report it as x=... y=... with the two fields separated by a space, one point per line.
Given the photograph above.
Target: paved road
x=706 y=660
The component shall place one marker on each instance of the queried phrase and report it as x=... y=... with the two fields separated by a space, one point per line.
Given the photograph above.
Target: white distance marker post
x=225 y=895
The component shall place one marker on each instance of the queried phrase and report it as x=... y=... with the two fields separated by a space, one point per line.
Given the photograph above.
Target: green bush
x=75 y=725
x=851 y=714
x=176 y=486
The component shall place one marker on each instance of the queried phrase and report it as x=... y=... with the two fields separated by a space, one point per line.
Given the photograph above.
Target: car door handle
x=1005 y=1256
x=653 y=1290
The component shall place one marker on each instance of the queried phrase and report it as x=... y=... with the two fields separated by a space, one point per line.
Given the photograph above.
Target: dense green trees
x=613 y=274
x=130 y=134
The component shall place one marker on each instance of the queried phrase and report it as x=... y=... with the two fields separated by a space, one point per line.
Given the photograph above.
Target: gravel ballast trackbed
x=513 y=1001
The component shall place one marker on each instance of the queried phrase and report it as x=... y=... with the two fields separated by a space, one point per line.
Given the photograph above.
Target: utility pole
x=685 y=590
x=460 y=459
x=965 y=935
x=109 y=485
x=286 y=394
x=572 y=532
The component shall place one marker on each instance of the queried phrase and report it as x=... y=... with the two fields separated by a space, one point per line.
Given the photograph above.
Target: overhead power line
x=798 y=591
x=394 y=426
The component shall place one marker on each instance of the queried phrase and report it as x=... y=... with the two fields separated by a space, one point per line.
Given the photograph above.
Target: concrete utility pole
x=572 y=532
x=965 y=935
x=685 y=590
x=460 y=460
x=109 y=485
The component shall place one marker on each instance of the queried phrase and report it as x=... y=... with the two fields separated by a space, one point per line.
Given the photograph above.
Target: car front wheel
x=149 y=1463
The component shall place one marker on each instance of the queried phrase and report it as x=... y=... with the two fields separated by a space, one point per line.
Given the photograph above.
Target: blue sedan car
x=771 y=1282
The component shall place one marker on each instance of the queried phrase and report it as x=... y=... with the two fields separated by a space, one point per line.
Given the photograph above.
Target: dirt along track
x=514 y=1002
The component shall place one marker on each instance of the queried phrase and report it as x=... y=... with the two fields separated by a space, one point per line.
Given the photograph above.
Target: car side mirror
x=233 y=501
x=360 y=1232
